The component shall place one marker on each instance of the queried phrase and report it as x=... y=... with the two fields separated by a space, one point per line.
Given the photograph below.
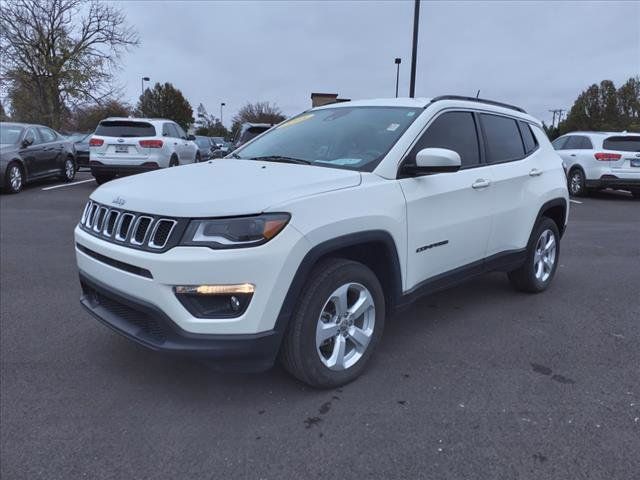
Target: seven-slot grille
x=128 y=228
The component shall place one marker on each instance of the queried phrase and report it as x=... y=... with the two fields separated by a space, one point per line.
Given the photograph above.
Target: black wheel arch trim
x=556 y=202
x=324 y=250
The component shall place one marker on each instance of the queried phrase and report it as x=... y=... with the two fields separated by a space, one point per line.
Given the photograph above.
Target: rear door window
x=578 y=142
x=47 y=135
x=622 y=144
x=503 y=139
x=530 y=142
x=125 y=128
x=454 y=131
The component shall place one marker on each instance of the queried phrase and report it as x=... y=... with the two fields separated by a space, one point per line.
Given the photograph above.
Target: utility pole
x=414 y=51
x=397 y=61
x=558 y=112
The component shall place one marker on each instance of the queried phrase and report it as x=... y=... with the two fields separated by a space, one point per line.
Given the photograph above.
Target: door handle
x=480 y=183
x=535 y=172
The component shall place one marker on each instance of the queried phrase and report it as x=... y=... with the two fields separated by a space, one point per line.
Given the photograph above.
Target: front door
x=449 y=215
x=33 y=154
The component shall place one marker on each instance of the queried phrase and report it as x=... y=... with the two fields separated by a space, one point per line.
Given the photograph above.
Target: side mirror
x=191 y=137
x=27 y=142
x=433 y=160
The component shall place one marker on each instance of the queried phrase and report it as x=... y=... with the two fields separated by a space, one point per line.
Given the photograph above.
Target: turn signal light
x=96 y=142
x=151 y=143
x=607 y=157
x=216 y=289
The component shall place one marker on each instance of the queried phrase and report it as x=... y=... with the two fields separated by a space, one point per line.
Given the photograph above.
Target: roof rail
x=479 y=100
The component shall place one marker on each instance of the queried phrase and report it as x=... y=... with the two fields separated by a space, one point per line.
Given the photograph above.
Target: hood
x=221 y=188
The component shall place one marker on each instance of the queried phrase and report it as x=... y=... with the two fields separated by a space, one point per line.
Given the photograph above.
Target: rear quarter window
x=530 y=142
x=120 y=128
x=622 y=144
x=503 y=139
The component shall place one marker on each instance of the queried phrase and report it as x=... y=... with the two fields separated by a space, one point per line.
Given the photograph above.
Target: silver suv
x=598 y=160
x=122 y=146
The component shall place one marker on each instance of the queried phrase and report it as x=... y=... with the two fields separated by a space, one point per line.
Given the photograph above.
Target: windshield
x=354 y=138
x=10 y=134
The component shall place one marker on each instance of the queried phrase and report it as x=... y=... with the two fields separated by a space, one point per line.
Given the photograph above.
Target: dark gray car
x=30 y=152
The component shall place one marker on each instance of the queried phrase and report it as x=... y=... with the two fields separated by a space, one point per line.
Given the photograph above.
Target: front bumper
x=149 y=326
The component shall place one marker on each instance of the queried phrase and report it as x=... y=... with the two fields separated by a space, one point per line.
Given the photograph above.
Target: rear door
x=578 y=149
x=627 y=147
x=187 y=148
x=448 y=214
x=121 y=142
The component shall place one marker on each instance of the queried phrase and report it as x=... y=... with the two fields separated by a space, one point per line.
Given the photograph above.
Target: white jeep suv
x=301 y=243
x=122 y=146
x=598 y=160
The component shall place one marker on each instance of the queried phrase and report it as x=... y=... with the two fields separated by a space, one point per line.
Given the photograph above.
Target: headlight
x=235 y=232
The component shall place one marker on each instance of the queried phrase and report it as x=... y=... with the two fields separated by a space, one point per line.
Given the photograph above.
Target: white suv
x=122 y=146
x=303 y=242
x=598 y=160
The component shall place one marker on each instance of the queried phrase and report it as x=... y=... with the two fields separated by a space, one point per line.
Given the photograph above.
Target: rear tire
x=542 y=256
x=336 y=325
x=174 y=162
x=198 y=157
x=100 y=179
x=577 y=183
x=635 y=194
x=68 y=170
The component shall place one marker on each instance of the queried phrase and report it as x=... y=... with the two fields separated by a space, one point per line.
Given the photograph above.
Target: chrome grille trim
x=87 y=207
x=110 y=214
x=152 y=237
x=137 y=225
x=92 y=214
x=119 y=236
x=98 y=220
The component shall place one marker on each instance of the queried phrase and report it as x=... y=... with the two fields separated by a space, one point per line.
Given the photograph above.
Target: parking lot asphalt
x=476 y=382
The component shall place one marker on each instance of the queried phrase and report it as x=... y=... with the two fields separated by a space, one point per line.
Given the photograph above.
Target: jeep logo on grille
x=119 y=201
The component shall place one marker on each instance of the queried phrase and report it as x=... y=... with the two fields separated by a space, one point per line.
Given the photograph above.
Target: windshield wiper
x=282 y=159
x=235 y=155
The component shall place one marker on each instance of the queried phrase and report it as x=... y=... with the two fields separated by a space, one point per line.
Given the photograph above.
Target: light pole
x=144 y=79
x=414 y=52
x=397 y=62
x=222 y=104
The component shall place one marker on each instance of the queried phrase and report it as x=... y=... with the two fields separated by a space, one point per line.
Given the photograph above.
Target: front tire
x=542 y=256
x=336 y=326
x=577 y=183
x=14 y=178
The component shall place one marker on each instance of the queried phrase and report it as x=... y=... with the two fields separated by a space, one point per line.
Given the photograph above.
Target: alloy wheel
x=15 y=178
x=545 y=255
x=69 y=169
x=345 y=326
x=575 y=185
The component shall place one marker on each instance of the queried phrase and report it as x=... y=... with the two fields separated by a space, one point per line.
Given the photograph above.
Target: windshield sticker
x=342 y=161
x=410 y=114
x=295 y=121
x=393 y=127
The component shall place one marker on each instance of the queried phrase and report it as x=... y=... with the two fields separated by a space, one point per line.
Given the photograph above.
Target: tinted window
x=31 y=135
x=503 y=140
x=251 y=133
x=47 y=135
x=203 y=142
x=559 y=143
x=578 y=142
x=622 y=144
x=125 y=128
x=455 y=131
x=530 y=142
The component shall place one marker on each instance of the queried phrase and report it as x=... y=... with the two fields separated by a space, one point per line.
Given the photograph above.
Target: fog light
x=215 y=301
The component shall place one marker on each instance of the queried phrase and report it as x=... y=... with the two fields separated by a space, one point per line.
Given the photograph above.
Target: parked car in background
x=300 y=245
x=206 y=147
x=218 y=141
x=124 y=146
x=30 y=152
x=81 y=146
x=599 y=160
x=248 y=131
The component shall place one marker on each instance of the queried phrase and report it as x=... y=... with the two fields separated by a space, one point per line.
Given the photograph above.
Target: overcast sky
x=538 y=55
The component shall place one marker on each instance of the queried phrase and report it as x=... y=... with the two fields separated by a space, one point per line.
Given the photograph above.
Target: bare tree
x=58 y=54
x=259 y=112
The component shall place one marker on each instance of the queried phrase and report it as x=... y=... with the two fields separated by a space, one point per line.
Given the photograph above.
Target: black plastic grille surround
x=152 y=233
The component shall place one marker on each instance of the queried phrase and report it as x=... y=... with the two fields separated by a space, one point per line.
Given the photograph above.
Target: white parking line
x=68 y=184
x=575 y=201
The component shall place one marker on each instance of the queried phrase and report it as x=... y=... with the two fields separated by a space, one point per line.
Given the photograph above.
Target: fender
x=325 y=249
x=556 y=202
